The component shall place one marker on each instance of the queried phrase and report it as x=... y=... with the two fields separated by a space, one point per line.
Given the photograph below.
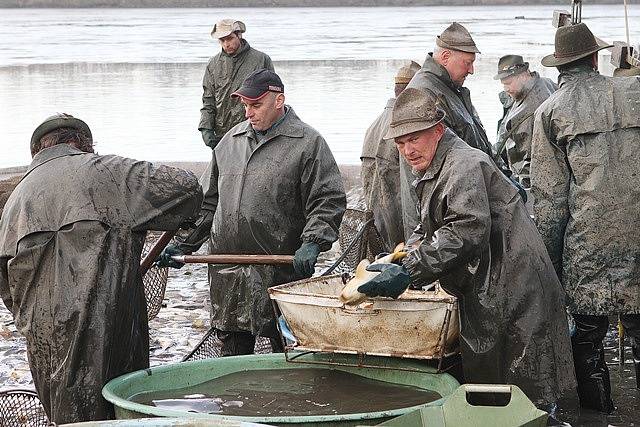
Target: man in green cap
x=527 y=90
x=272 y=187
x=223 y=76
x=584 y=178
x=71 y=236
x=476 y=238
x=444 y=72
x=382 y=174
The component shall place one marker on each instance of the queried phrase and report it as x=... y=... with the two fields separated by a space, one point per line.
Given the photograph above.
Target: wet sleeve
x=5 y=291
x=466 y=227
x=202 y=230
x=323 y=196
x=208 y=110
x=160 y=198
x=550 y=180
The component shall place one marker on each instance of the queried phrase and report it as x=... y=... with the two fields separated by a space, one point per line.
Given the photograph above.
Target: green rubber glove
x=392 y=281
x=165 y=260
x=304 y=260
x=209 y=137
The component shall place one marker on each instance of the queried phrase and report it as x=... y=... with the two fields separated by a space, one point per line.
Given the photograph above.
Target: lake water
x=135 y=74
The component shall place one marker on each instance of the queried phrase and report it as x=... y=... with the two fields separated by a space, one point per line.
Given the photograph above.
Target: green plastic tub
x=172 y=377
x=458 y=411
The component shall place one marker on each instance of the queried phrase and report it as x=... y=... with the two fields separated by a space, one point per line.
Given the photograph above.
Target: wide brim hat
x=413 y=111
x=456 y=37
x=510 y=65
x=227 y=26
x=573 y=42
x=406 y=73
x=57 y=121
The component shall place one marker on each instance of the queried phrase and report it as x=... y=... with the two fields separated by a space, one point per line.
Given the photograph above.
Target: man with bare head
x=223 y=76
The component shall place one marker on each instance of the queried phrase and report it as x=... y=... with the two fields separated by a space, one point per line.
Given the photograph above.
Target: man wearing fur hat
x=584 y=178
x=224 y=74
x=382 y=174
x=476 y=238
x=527 y=90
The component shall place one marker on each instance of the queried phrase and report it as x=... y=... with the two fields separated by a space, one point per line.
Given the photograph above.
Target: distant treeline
x=278 y=3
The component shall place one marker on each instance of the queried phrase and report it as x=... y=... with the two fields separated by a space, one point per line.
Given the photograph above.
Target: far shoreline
x=153 y=4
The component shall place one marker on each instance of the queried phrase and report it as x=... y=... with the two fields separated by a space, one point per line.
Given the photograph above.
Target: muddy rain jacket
x=584 y=177
x=381 y=180
x=266 y=200
x=478 y=240
x=223 y=76
x=516 y=129
x=71 y=236
x=461 y=117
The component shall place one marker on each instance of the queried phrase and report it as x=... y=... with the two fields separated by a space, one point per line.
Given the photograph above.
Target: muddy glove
x=165 y=260
x=304 y=260
x=209 y=137
x=392 y=281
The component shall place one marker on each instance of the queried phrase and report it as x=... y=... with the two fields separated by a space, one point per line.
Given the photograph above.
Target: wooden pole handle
x=236 y=259
x=155 y=251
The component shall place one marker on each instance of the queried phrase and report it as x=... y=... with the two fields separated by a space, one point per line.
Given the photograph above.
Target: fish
x=350 y=294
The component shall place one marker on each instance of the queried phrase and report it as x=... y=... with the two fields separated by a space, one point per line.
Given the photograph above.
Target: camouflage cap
x=456 y=37
x=413 y=111
x=57 y=121
x=227 y=26
x=573 y=42
x=406 y=73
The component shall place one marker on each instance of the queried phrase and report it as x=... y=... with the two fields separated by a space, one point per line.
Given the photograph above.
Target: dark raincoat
x=381 y=180
x=71 y=236
x=516 y=129
x=265 y=196
x=584 y=176
x=223 y=76
x=461 y=117
x=478 y=240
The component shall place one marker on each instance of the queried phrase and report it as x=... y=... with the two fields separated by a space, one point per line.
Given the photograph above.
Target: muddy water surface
x=289 y=392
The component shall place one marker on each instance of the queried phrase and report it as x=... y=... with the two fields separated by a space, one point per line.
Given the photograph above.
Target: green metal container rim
x=110 y=396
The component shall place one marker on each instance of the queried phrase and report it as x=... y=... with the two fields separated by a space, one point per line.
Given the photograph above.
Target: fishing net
x=154 y=281
x=20 y=408
x=209 y=347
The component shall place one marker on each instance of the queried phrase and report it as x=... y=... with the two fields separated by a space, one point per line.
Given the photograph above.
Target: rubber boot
x=592 y=374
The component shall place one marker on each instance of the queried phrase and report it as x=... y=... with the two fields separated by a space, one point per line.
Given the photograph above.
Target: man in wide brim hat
x=572 y=43
x=476 y=238
x=584 y=162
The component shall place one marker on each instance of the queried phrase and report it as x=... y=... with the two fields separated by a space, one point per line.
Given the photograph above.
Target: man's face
x=513 y=84
x=231 y=43
x=263 y=112
x=459 y=65
x=419 y=148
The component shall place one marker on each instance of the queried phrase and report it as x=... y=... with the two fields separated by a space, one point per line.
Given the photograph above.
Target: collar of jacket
x=445 y=144
x=244 y=47
x=291 y=126
x=432 y=67
x=575 y=73
x=390 y=103
x=48 y=154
